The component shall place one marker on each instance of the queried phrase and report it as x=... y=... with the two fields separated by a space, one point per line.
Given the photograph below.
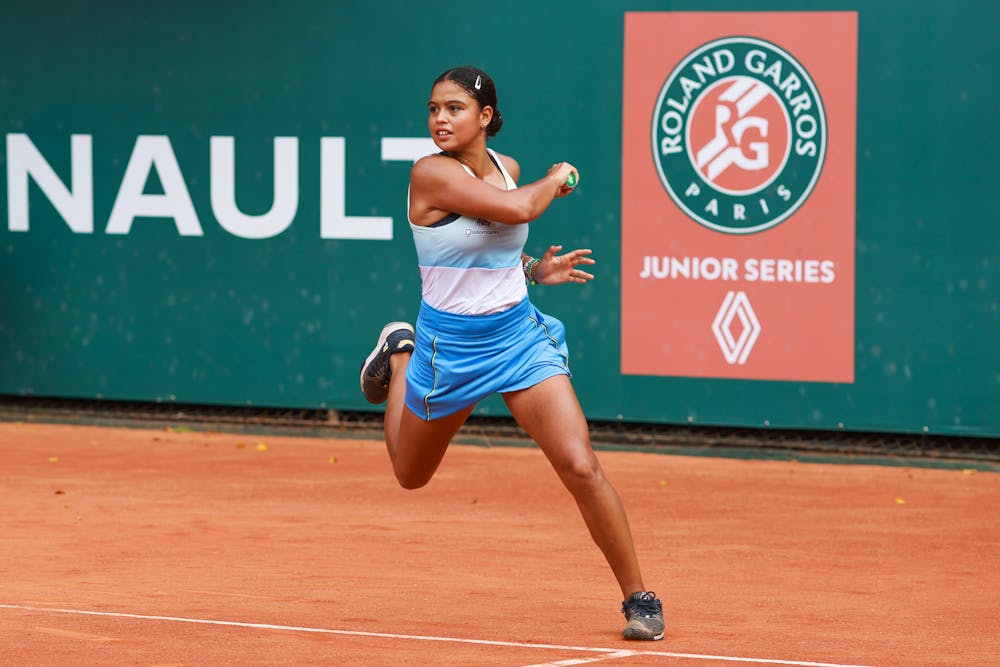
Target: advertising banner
x=738 y=195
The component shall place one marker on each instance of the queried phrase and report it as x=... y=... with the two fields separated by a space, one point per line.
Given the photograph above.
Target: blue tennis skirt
x=461 y=359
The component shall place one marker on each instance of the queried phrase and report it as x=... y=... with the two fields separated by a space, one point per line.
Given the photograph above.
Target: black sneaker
x=644 y=614
x=375 y=372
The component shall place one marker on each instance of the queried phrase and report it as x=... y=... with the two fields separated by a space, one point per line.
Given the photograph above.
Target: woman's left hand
x=556 y=269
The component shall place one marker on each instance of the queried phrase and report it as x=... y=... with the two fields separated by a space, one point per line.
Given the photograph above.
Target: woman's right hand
x=560 y=172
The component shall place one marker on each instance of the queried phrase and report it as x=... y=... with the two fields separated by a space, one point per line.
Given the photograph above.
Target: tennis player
x=477 y=331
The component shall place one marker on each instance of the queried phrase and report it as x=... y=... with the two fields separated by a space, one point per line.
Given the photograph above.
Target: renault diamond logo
x=736 y=346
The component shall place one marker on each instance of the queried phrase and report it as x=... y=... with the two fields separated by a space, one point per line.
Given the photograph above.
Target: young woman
x=478 y=333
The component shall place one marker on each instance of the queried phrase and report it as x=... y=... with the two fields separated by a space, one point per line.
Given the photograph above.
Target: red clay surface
x=764 y=560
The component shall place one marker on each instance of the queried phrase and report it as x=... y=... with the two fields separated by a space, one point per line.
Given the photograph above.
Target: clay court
x=171 y=546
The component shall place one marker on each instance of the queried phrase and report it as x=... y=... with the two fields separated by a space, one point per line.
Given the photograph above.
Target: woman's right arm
x=440 y=186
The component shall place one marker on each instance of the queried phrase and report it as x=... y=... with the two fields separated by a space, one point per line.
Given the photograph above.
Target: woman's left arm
x=553 y=269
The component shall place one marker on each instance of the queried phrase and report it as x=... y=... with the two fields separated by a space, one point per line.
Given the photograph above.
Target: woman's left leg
x=551 y=414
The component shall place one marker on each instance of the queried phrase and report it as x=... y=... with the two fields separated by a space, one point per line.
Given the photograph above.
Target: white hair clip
x=479 y=82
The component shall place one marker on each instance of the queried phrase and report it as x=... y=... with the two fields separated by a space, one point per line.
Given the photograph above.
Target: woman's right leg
x=416 y=446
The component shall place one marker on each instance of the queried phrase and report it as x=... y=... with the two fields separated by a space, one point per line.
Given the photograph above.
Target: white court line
x=587 y=661
x=386 y=635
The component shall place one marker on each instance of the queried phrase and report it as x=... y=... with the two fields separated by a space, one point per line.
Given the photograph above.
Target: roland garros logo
x=739 y=135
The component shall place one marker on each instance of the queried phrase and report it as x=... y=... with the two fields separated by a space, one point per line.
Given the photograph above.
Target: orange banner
x=738 y=195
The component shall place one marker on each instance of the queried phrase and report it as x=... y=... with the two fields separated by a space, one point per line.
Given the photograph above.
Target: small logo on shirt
x=485 y=228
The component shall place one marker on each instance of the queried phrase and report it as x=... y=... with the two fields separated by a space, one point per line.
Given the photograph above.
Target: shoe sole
x=386 y=330
x=636 y=635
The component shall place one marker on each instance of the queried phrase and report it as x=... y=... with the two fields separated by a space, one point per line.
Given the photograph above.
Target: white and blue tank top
x=471 y=266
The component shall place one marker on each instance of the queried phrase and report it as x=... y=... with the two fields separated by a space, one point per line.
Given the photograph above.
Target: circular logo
x=739 y=135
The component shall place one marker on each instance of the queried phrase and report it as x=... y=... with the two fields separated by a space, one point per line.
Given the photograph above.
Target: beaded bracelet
x=528 y=267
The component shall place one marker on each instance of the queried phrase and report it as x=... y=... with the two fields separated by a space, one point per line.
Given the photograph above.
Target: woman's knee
x=420 y=446
x=409 y=480
x=581 y=474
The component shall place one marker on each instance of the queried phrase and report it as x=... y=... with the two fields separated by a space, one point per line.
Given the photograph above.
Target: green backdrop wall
x=153 y=297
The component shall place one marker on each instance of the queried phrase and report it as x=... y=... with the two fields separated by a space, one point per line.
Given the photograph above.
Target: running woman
x=478 y=333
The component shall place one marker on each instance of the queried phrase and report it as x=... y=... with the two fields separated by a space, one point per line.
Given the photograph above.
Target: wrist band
x=528 y=267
